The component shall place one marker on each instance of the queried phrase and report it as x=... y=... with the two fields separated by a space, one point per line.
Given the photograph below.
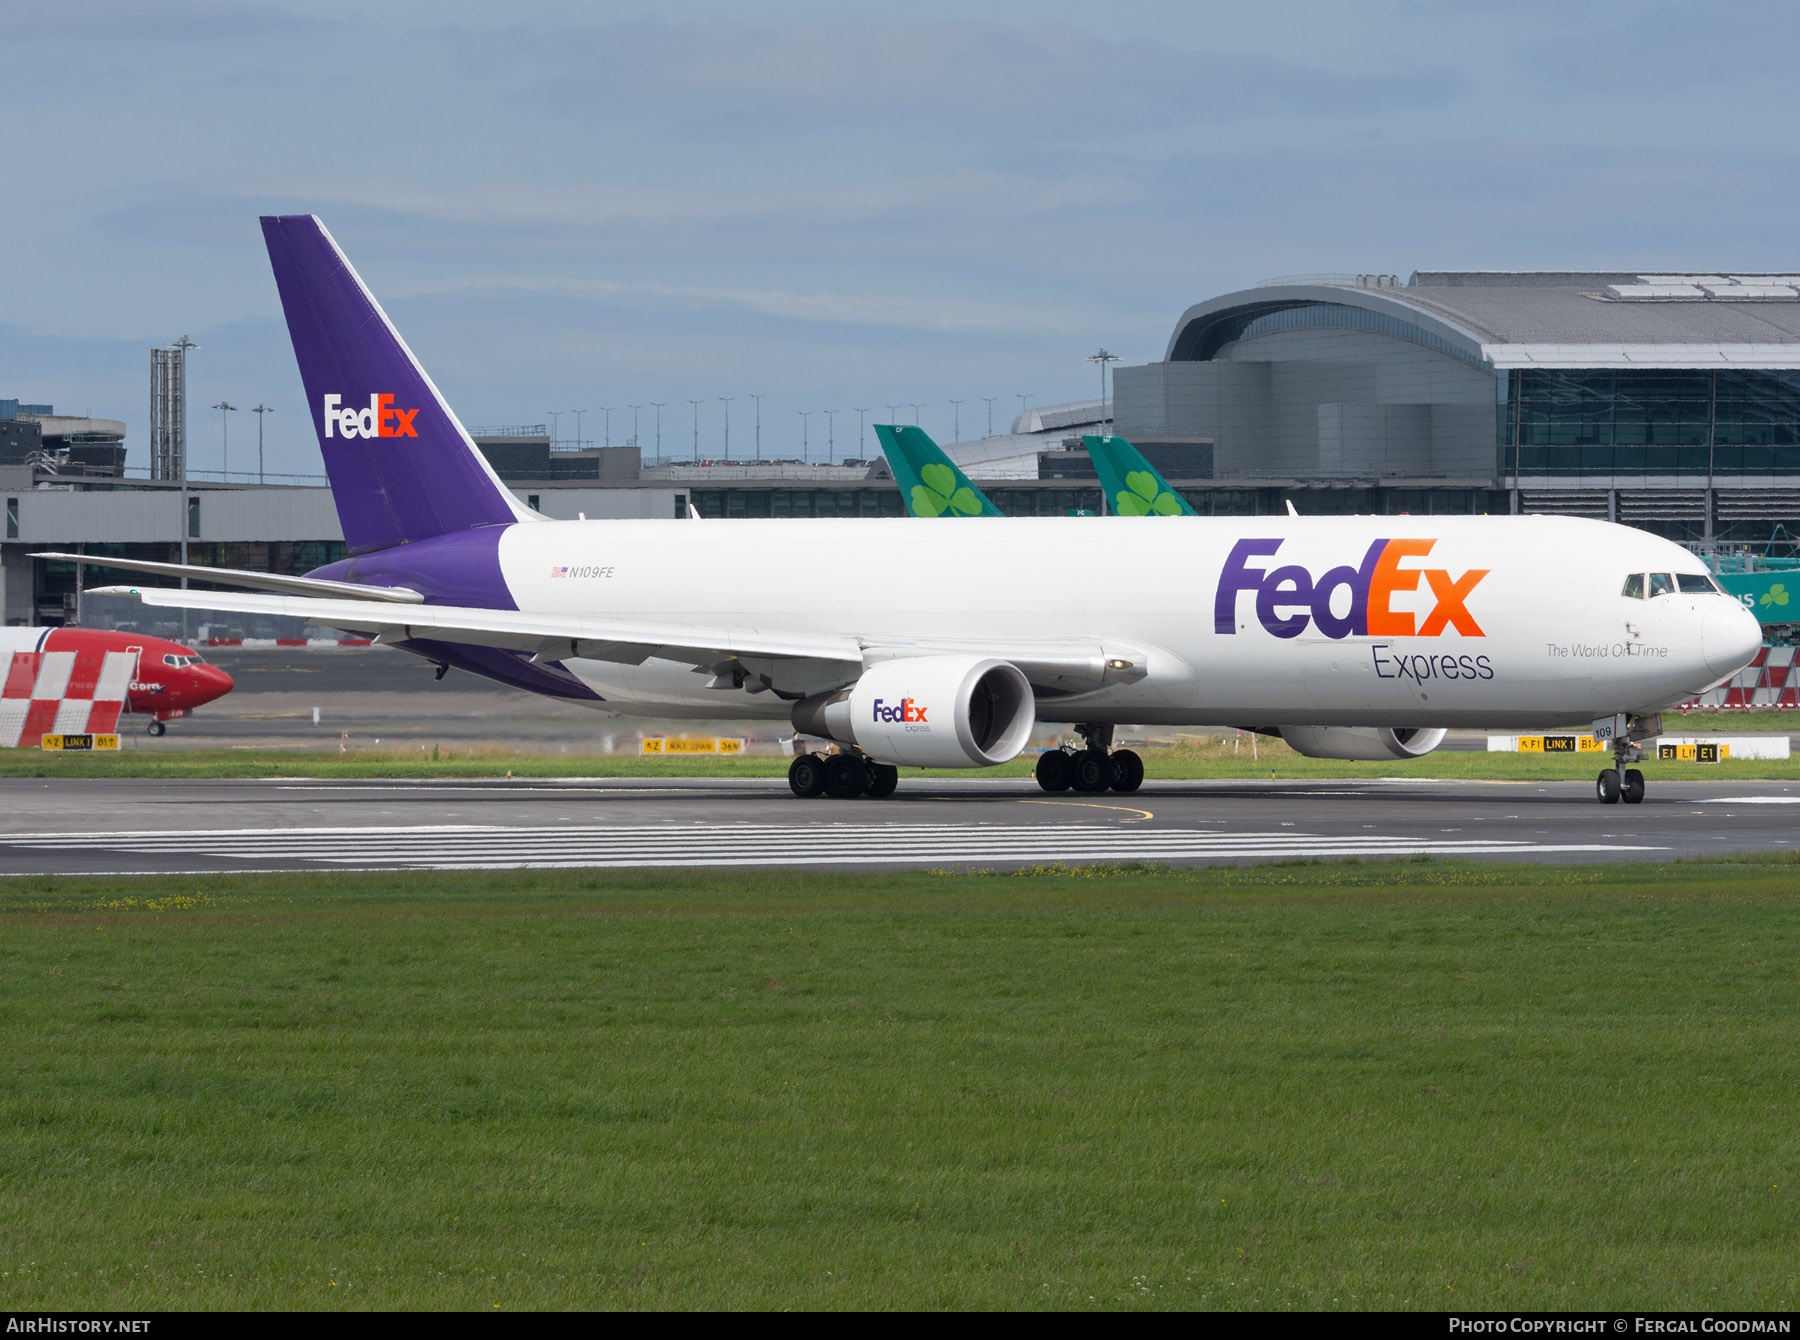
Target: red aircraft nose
x=214 y=682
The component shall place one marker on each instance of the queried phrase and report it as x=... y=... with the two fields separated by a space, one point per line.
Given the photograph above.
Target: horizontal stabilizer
x=250 y=581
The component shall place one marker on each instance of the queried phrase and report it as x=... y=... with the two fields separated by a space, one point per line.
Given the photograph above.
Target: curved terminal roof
x=1556 y=319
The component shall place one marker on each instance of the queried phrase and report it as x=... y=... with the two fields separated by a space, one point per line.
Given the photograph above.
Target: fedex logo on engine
x=907 y=710
x=1288 y=598
x=379 y=418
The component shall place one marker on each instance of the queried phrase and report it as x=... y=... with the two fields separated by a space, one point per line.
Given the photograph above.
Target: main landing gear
x=156 y=728
x=1097 y=766
x=842 y=776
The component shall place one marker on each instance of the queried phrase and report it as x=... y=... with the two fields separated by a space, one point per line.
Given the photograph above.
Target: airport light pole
x=634 y=424
x=658 y=406
x=830 y=434
x=956 y=410
x=728 y=399
x=805 y=425
x=225 y=407
x=1103 y=358
x=990 y=404
x=758 y=399
x=259 y=411
x=917 y=406
x=184 y=344
x=893 y=414
x=696 y=404
x=861 y=449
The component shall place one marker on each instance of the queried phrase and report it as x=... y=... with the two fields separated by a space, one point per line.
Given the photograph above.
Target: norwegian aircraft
x=48 y=673
x=941 y=646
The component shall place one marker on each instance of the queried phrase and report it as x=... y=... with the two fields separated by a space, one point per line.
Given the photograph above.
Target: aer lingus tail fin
x=1133 y=486
x=930 y=484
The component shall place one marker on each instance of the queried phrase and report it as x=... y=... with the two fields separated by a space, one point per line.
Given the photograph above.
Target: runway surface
x=106 y=827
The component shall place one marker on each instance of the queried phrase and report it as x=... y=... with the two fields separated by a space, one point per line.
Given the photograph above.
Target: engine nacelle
x=1375 y=744
x=929 y=712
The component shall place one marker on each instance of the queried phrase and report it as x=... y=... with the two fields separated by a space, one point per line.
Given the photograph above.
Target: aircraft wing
x=809 y=662
x=548 y=636
x=254 y=581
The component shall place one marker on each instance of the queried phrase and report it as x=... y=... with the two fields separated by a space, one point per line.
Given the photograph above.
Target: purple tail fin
x=402 y=469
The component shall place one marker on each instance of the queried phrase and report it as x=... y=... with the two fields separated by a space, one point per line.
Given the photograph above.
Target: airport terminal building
x=1669 y=402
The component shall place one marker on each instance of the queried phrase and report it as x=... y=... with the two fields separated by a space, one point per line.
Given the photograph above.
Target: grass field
x=1213 y=757
x=1411 y=1085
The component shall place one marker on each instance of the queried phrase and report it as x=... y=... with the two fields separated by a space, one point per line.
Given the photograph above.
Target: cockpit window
x=1634 y=586
x=180 y=662
x=1696 y=584
x=1661 y=584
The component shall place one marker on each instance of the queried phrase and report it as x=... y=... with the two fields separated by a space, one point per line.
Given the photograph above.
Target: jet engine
x=1369 y=743
x=928 y=712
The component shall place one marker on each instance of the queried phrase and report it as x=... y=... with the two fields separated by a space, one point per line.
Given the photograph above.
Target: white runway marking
x=1749 y=800
x=501 y=847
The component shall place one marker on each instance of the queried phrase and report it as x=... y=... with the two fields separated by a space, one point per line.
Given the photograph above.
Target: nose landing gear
x=1620 y=783
x=1095 y=767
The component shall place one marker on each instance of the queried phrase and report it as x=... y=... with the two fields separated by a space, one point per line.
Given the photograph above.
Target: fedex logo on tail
x=379 y=418
x=1288 y=598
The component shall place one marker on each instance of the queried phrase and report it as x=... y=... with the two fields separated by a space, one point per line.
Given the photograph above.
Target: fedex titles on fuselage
x=1289 y=598
x=380 y=418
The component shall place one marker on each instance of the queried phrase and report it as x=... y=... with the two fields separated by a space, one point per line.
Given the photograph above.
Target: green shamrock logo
x=1141 y=497
x=1775 y=595
x=939 y=494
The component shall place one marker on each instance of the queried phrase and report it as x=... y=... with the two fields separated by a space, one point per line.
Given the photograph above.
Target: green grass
x=1409 y=1085
x=1206 y=759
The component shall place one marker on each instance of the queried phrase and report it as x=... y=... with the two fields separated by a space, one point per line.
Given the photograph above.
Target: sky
x=567 y=206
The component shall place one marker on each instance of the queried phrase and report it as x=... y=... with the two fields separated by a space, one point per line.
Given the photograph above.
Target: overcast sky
x=575 y=205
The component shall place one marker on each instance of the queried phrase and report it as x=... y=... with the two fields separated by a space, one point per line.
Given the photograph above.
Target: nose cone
x=215 y=683
x=1729 y=638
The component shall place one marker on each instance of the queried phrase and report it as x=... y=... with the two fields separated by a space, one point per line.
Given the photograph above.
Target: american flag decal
x=559 y=572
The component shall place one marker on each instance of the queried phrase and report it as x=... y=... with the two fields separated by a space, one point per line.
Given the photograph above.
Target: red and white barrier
x=62 y=693
x=290 y=642
x=1770 y=683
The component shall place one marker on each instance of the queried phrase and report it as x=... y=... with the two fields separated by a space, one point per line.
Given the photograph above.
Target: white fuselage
x=1544 y=637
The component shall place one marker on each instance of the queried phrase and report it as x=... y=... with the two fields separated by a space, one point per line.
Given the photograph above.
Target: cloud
x=950 y=315
x=184 y=21
x=1036 y=81
x=1650 y=52
x=516 y=204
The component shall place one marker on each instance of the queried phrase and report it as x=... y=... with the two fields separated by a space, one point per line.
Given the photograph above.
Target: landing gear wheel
x=806 y=776
x=1606 y=787
x=881 y=781
x=1055 y=770
x=846 y=775
x=1128 y=771
x=157 y=728
x=1632 y=792
x=1093 y=771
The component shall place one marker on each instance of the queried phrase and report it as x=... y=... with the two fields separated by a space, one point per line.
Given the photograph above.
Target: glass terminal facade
x=1722 y=423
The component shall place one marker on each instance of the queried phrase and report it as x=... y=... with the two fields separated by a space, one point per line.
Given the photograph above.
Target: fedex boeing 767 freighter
x=911 y=644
